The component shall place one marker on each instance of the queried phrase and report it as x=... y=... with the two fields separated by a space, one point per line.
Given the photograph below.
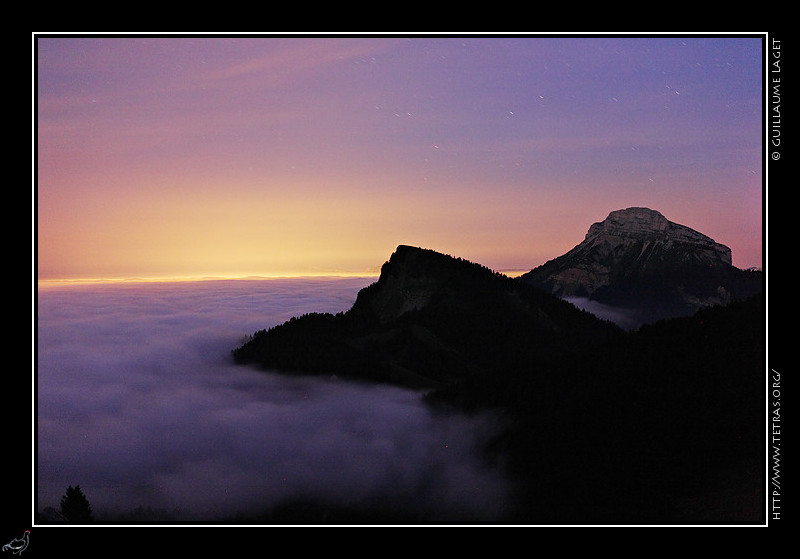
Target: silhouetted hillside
x=624 y=432
x=603 y=426
x=429 y=320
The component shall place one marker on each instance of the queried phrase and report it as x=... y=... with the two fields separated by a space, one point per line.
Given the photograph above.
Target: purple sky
x=183 y=156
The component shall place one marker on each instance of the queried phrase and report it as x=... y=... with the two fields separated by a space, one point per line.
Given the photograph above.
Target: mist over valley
x=139 y=403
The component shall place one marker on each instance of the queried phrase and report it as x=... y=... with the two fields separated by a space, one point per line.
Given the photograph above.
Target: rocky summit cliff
x=429 y=320
x=638 y=260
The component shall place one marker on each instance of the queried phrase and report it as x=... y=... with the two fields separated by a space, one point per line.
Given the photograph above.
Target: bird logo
x=17 y=546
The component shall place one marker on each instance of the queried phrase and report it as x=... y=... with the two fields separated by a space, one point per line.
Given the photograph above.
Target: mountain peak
x=412 y=275
x=646 y=224
x=429 y=319
x=631 y=220
x=636 y=257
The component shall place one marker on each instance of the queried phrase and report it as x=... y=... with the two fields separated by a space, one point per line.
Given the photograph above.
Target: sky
x=229 y=156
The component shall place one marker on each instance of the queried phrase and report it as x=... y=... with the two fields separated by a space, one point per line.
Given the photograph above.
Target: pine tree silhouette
x=75 y=506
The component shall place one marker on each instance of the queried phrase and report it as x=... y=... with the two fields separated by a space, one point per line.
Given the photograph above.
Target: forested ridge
x=603 y=425
x=473 y=320
x=620 y=431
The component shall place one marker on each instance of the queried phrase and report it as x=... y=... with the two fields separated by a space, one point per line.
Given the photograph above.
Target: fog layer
x=139 y=404
x=627 y=319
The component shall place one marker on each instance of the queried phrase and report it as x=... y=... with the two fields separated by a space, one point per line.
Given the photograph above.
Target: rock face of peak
x=407 y=282
x=414 y=277
x=650 y=230
x=637 y=259
x=429 y=320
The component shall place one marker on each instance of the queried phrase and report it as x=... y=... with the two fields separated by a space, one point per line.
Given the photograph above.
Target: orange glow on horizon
x=240 y=230
x=63 y=282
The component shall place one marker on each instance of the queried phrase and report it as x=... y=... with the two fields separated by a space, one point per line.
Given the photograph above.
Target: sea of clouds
x=139 y=403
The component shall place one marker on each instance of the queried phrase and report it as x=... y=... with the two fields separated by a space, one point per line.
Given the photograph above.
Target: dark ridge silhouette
x=429 y=320
x=657 y=425
x=629 y=431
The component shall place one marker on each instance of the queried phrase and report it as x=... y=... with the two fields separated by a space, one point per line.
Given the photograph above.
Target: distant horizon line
x=51 y=282
x=65 y=281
